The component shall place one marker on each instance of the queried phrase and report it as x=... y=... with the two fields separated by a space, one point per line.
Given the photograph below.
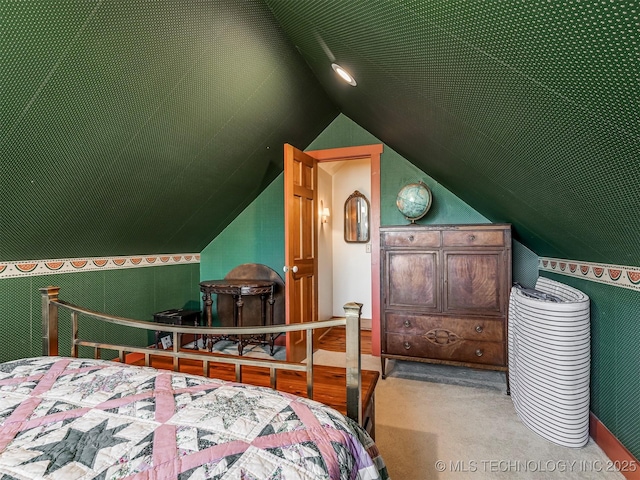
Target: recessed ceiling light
x=346 y=76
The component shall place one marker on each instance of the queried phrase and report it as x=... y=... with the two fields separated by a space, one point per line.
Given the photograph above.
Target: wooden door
x=300 y=245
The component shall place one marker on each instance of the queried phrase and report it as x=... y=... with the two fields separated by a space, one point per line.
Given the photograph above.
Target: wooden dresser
x=445 y=294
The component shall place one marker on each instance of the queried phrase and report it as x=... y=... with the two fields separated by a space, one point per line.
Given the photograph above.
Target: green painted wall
x=133 y=293
x=524 y=265
x=615 y=357
x=396 y=171
x=254 y=236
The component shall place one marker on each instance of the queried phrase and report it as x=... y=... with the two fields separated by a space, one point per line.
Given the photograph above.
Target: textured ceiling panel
x=142 y=127
x=526 y=110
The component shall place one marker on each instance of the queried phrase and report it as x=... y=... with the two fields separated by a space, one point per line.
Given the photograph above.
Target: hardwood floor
x=334 y=340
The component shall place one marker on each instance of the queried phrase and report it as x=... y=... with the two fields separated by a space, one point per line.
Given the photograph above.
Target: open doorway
x=372 y=154
x=344 y=268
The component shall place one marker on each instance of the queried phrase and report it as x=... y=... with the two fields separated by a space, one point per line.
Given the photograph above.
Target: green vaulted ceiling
x=527 y=110
x=140 y=126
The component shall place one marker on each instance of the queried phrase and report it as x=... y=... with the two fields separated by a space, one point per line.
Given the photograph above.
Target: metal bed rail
x=51 y=304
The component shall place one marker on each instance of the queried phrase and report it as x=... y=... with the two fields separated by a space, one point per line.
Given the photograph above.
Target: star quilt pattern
x=70 y=418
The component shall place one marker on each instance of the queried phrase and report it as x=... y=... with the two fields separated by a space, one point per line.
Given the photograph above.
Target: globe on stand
x=414 y=201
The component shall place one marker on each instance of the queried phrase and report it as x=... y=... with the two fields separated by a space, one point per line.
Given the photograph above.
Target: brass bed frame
x=51 y=304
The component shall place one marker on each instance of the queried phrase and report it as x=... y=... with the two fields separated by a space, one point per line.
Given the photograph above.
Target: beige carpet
x=426 y=429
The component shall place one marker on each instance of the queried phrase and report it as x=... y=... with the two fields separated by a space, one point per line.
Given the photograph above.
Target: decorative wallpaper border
x=617 y=275
x=74 y=265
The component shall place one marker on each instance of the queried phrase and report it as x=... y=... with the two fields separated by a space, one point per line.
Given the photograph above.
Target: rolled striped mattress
x=549 y=361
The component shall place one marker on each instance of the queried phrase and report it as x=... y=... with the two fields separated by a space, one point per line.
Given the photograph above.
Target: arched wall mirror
x=356 y=218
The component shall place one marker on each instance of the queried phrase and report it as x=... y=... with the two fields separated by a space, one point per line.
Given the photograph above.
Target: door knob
x=294 y=269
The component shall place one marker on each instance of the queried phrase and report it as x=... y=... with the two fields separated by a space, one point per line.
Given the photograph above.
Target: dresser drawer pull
x=407 y=323
x=407 y=345
x=479 y=328
x=411 y=238
x=478 y=353
x=472 y=238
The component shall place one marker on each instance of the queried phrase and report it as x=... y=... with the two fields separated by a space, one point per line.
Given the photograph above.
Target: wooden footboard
x=283 y=376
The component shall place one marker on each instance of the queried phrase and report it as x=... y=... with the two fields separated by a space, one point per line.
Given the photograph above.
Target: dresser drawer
x=413 y=238
x=477 y=238
x=460 y=350
x=468 y=328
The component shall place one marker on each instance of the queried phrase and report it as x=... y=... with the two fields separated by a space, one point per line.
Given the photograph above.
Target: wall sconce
x=325 y=215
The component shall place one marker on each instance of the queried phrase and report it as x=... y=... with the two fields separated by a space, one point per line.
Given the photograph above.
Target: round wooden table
x=238 y=288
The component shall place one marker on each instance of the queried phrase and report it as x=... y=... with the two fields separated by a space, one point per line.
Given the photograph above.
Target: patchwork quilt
x=70 y=418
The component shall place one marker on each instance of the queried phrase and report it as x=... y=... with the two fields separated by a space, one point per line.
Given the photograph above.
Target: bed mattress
x=70 y=418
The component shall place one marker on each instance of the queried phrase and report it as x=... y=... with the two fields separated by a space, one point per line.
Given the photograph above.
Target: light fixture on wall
x=346 y=76
x=325 y=215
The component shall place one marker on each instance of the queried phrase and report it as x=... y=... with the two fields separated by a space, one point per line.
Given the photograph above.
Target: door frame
x=373 y=153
